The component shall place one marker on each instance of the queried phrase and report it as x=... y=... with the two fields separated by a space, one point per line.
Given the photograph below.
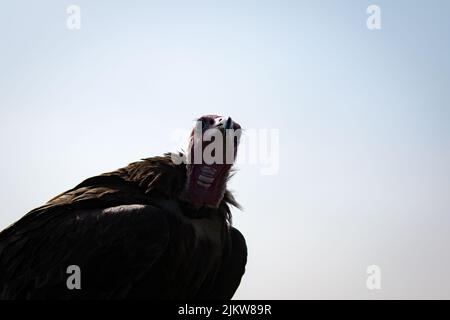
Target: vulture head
x=212 y=150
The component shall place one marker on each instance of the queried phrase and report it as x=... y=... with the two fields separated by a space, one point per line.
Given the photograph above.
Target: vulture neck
x=205 y=184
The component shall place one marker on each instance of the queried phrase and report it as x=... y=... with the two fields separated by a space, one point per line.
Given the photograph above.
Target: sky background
x=363 y=119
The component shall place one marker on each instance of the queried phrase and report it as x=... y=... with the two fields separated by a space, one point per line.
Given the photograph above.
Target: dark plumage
x=132 y=237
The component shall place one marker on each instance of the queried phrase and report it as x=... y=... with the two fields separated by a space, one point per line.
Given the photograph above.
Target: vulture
x=159 y=228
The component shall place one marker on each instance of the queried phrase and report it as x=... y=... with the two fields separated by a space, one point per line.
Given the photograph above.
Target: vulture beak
x=228 y=123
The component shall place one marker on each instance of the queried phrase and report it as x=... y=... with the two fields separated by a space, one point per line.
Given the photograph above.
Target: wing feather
x=113 y=247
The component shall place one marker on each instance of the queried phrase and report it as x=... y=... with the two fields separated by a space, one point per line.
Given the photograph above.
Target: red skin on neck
x=200 y=195
x=196 y=192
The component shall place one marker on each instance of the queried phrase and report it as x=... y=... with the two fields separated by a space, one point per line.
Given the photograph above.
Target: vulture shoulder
x=113 y=247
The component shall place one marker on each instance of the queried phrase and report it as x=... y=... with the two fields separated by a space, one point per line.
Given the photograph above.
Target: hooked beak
x=228 y=123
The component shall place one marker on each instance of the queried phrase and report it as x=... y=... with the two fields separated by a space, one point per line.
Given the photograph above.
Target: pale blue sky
x=363 y=117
